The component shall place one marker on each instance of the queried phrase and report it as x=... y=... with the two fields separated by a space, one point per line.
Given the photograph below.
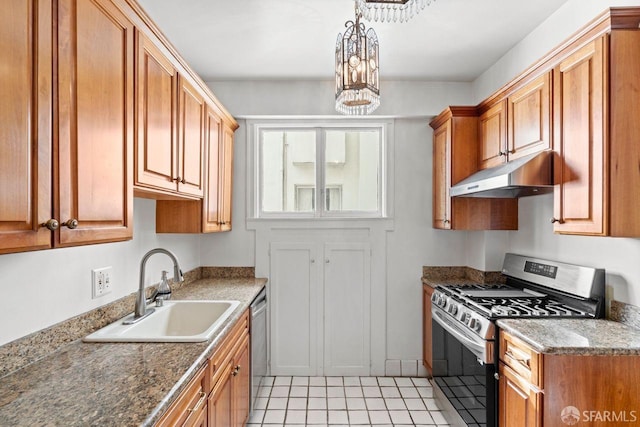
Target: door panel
x=530 y=118
x=212 y=215
x=493 y=136
x=156 y=149
x=294 y=298
x=226 y=169
x=25 y=125
x=191 y=139
x=442 y=176
x=95 y=91
x=347 y=282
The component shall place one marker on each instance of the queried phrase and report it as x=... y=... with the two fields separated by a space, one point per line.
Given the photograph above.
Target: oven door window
x=468 y=384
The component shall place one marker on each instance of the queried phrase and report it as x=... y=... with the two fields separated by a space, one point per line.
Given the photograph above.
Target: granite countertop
x=446 y=276
x=116 y=384
x=575 y=336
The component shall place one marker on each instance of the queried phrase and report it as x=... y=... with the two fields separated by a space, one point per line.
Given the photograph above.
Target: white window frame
x=254 y=165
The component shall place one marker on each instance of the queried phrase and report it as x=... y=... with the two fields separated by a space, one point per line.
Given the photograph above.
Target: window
x=320 y=171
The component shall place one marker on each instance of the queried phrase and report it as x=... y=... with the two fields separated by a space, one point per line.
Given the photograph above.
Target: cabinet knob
x=52 y=224
x=177 y=179
x=313 y=261
x=502 y=153
x=496 y=376
x=72 y=223
x=184 y=181
x=554 y=220
x=446 y=221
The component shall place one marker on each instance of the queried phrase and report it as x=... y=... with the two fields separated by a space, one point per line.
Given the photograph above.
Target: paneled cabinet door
x=95 y=110
x=25 y=125
x=442 y=176
x=427 y=344
x=221 y=398
x=191 y=139
x=156 y=149
x=226 y=171
x=519 y=405
x=529 y=118
x=212 y=216
x=241 y=384
x=579 y=93
x=493 y=136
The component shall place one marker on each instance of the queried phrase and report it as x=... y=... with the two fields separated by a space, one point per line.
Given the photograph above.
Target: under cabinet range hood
x=527 y=176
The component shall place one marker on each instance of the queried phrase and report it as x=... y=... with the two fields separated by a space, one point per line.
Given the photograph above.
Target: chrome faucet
x=141 y=310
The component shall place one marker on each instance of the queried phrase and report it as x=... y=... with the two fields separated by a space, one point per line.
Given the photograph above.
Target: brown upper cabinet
x=81 y=192
x=581 y=100
x=454 y=158
x=518 y=125
x=170 y=144
x=213 y=212
x=596 y=112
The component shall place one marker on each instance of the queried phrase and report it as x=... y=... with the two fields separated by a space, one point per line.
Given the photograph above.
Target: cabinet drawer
x=225 y=352
x=525 y=361
x=188 y=408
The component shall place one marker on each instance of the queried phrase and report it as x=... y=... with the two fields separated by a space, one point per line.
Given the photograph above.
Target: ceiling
x=450 y=40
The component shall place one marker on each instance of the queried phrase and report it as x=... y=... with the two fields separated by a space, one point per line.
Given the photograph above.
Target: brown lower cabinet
x=537 y=389
x=219 y=394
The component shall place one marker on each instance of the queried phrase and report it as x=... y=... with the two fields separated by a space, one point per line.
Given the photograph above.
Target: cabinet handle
x=313 y=261
x=52 y=224
x=446 y=221
x=184 y=181
x=177 y=179
x=554 y=220
x=236 y=370
x=196 y=408
x=72 y=223
x=502 y=153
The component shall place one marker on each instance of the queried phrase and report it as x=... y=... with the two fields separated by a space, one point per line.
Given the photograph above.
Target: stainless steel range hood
x=527 y=176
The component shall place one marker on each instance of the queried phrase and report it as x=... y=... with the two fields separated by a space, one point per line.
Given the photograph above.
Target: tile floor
x=346 y=401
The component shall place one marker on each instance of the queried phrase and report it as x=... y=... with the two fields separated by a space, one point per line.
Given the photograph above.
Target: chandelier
x=391 y=10
x=357 y=72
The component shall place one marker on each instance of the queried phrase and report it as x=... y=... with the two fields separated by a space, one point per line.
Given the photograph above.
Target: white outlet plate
x=101 y=283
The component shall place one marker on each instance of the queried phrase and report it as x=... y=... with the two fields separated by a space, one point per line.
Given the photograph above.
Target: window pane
x=288 y=167
x=352 y=170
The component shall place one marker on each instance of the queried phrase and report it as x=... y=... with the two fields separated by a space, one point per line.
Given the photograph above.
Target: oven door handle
x=477 y=349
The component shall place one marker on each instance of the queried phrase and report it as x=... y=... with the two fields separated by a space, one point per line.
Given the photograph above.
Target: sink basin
x=176 y=321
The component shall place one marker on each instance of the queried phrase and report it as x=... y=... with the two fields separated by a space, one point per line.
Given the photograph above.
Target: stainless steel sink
x=175 y=321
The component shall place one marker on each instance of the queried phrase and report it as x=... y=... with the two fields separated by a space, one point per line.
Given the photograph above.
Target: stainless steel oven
x=465 y=344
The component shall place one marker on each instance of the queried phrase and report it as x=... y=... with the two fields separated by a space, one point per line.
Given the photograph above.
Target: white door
x=347 y=278
x=294 y=299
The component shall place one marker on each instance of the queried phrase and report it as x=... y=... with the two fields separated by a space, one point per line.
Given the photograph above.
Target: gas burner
x=503 y=310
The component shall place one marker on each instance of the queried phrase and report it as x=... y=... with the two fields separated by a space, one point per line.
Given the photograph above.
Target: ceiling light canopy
x=357 y=69
x=391 y=10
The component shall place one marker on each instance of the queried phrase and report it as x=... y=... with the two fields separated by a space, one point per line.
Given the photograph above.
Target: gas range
x=464 y=331
x=534 y=288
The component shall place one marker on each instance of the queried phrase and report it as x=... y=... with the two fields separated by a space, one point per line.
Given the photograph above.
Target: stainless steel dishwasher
x=259 y=308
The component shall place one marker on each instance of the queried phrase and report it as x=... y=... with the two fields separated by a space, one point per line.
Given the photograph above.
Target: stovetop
x=501 y=301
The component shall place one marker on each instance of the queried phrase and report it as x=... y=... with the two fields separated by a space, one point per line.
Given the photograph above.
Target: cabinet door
x=442 y=176
x=156 y=149
x=529 y=118
x=294 y=309
x=427 y=344
x=347 y=279
x=581 y=187
x=25 y=124
x=95 y=109
x=220 y=399
x=226 y=170
x=519 y=404
x=493 y=136
x=211 y=213
x=241 y=384
x=191 y=140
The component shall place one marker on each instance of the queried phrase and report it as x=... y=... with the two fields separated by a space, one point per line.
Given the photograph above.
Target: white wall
x=42 y=288
x=618 y=256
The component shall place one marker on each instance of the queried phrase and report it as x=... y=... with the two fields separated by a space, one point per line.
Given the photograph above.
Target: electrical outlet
x=101 y=281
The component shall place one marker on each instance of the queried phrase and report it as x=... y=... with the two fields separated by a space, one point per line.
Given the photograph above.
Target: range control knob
x=453 y=309
x=475 y=325
x=464 y=317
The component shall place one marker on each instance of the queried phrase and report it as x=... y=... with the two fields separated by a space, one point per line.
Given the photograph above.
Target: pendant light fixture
x=391 y=10
x=357 y=69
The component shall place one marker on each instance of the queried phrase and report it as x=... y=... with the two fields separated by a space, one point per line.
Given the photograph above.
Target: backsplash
x=23 y=351
x=625 y=313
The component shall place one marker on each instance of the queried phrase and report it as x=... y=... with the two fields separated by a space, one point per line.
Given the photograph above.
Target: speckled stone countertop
x=434 y=276
x=575 y=336
x=119 y=384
